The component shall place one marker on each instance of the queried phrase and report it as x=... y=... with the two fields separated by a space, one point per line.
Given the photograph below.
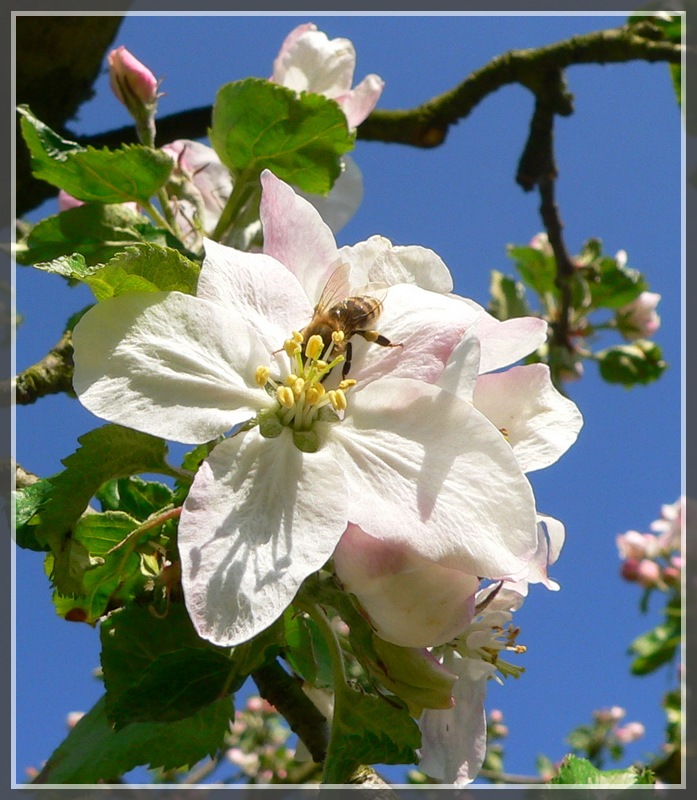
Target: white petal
x=256 y=287
x=377 y=260
x=427 y=326
x=541 y=423
x=453 y=740
x=314 y=63
x=462 y=369
x=411 y=602
x=427 y=469
x=342 y=202
x=261 y=516
x=296 y=235
x=168 y=364
x=362 y=99
x=504 y=343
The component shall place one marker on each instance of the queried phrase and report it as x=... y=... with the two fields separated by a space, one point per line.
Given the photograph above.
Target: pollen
x=261 y=376
x=314 y=347
x=285 y=396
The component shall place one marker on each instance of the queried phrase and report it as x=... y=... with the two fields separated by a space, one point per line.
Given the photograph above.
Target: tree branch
x=51 y=375
x=301 y=714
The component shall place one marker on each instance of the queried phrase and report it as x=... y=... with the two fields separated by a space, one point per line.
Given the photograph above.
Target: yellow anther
x=321 y=365
x=261 y=376
x=337 y=337
x=298 y=386
x=291 y=347
x=314 y=347
x=347 y=383
x=290 y=380
x=298 y=337
x=338 y=399
x=313 y=394
x=284 y=395
x=504 y=431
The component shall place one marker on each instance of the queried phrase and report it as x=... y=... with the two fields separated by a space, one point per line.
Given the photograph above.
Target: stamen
x=285 y=397
x=291 y=347
x=314 y=347
x=338 y=399
x=298 y=386
x=261 y=376
x=338 y=337
x=347 y=383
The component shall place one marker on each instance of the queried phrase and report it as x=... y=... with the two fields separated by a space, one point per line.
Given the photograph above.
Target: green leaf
x=105 y=453
x=134 y=496
x=94 y=230
x=630 y=364
x=507 y=297
x=259 y=125
x=368 y=730
x=656 y=647
x=94 y=751
x=537 y=269
x=578 y=771
x=307 y=651
x=105 y=573
x=132 y=173
x=144 y=268
x=175 y=686
x=613 y=285
x=28 y=501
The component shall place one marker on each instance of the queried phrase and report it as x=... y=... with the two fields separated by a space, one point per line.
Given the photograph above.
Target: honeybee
x=353 y=316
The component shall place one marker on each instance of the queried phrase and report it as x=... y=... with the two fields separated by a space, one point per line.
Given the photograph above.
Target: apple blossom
x=386 y=449
x=453 y=740
x=639 y=319
x=309 y=61
x=136 y=87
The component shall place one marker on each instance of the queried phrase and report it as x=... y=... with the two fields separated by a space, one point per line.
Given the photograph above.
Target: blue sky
x=619 y=180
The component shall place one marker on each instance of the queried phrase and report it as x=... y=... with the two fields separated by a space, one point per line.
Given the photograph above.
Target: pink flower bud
x=630 y=569
x=648 y=573
x=632 y=544
x=630 y=732
x=131 y=81
x=638 y=319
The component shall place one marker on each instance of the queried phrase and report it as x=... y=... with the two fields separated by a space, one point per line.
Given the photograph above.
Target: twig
x=51 y=375
x=303 y=717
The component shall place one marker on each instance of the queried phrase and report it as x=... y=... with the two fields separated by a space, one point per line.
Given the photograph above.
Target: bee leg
x=377 y=338
x=348 y=355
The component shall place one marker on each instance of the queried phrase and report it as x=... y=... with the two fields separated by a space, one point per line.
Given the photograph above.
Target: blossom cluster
x=654 y=560
x=365 y=420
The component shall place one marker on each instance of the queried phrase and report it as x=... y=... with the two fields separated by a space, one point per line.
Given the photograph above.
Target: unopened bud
x=130 y=80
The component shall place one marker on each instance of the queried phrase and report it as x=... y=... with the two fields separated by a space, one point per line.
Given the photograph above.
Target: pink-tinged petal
x=257 y=288
x=540 y=423
x=411 y=602
x=260 y=517
x=361 y=100
x=314 y=63
x=427 y=326
x=344 y=198
x=289 y=41
x=504 y=343
x=378 y=261
x=168 y=364
x=453 y=740
x=427 y=469
x=461 y=371
x=296 y=235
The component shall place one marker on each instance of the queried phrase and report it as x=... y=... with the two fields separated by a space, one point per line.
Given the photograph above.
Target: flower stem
x=241 y=191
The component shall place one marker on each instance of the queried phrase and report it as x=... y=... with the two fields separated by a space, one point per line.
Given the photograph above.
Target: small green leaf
x=369 y=730
x=144 y=268
x=132 y=173
x=94 y=230
x=259 y=125
x=537 y=269
x=134 y=496
x=307 y=651
x=578 y=771
x=174 y=686
x=656 y=647
x=93 y=751
x=105 y=453
x=28 y=501
x=631 y=364
x=507 y=297
x=613 y=285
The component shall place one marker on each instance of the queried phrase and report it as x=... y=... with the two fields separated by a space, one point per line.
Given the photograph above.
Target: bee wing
x=335 y=289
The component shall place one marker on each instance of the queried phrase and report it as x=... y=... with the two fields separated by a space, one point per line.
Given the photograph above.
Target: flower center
x=302 y=399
